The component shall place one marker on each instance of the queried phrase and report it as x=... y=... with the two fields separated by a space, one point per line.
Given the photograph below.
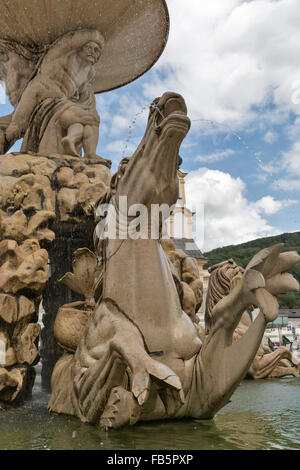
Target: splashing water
x=259 y=161
x=235 y=134
x=130 y=129
x=263 y=414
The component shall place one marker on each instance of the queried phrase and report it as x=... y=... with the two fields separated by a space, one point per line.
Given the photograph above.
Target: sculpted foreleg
x=113 y=373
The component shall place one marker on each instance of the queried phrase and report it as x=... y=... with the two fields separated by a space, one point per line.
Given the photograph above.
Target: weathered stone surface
x=9 y=384
x=48 y=193
x=6 y=188
x=66 y=200
x=8 y=308
x=83 y=277
x=15 y=383
x=8 y=357
x=29 y=208
x=26 y=308
x=98 y=173
x=88 y=196
x=191 y=288
x=24 y=347
x=26 y=194
x=37 y=226
x=32 y=198
x=188 y=301
x=19 y=227
x=70 y=323
x=64 y=177
x=42 y=166
x=80 y=179
x=13 y=226
x=25 y=267
x=14 y=165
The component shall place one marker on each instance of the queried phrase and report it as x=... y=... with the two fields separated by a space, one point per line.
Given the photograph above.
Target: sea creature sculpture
x=267 y=363
x=140 y=357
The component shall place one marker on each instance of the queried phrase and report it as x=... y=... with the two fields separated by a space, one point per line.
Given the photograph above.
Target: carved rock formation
x=23 y=275
x=36 y=209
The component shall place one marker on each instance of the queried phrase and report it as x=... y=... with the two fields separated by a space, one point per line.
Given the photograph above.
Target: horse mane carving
x=223 y=277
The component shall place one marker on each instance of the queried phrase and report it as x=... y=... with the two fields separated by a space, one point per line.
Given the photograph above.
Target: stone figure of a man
x=65 y=73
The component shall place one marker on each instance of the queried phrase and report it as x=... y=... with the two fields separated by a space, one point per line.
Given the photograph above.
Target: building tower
x=180 y=227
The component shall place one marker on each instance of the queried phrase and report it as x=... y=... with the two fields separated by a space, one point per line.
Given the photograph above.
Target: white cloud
x=226 y=57
x=216 y=156
x=269 y=205
x=229 y=217
x=118 y=149
x=123 y=114
x=270 y=137
x=291 y=159
x=289 y=165
x=287 y=184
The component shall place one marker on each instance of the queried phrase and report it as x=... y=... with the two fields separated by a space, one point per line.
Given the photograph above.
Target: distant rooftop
x=291 y=313
x=189 y=246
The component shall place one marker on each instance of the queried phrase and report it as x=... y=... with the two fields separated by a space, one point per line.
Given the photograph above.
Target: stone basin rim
x=135 y=39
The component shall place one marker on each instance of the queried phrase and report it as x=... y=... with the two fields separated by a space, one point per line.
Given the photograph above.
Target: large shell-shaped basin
x=136 y=31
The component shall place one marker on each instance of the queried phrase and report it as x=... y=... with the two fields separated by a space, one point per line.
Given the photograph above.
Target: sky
x=237 y=64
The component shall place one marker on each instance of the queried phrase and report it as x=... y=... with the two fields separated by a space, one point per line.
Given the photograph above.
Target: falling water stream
x=263 y=414
x=210 y=122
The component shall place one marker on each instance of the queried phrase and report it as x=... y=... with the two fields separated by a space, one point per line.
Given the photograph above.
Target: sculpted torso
x=62 y=77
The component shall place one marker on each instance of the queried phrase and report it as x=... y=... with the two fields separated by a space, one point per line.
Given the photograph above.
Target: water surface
x=262 y=415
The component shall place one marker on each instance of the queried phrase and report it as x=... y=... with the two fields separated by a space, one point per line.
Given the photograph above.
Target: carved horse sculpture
x=267 y=363
x=140 y=357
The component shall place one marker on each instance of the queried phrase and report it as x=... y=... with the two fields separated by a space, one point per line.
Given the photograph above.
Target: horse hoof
x=121 y=409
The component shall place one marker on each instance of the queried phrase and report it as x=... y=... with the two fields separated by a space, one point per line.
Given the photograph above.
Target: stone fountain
x=121 y=328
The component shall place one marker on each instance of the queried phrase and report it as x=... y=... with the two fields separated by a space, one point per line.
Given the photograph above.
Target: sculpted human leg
x=74 y=136
x=90 y=141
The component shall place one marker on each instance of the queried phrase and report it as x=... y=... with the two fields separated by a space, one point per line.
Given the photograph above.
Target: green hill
x=243 y=253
